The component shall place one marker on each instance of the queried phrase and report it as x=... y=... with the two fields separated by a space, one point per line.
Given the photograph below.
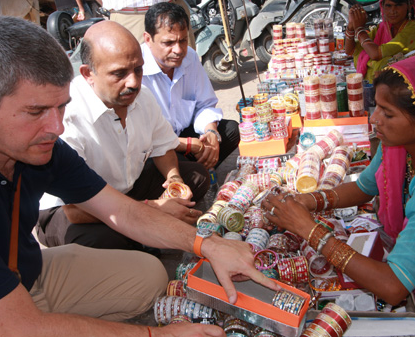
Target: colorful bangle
x=341 y=255
x=319 y=232
x=330 y=200
x=319 y=201
x=189 y=146
x=311 y=232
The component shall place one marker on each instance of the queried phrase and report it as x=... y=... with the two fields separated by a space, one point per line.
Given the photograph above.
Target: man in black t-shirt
x=63 y=288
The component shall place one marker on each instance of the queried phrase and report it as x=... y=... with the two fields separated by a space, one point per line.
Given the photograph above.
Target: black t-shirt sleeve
x=73 y=180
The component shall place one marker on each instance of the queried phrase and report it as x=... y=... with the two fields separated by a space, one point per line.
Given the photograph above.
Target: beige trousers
x=134 y=22
x=108 y=284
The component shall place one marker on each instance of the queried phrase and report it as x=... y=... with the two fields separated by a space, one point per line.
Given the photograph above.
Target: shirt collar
x=96 y=106
x=152 y=68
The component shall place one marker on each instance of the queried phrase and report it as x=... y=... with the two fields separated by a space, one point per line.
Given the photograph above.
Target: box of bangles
x=282 y=312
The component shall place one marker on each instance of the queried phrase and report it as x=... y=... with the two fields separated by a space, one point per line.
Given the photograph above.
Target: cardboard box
x=253 y=304
x=266 y=148
x=296 y=120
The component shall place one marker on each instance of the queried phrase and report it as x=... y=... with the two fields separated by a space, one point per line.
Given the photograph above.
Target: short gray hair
x=29 y=52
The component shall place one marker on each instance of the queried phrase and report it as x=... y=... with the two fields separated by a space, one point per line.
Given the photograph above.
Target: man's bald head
x=104 y=37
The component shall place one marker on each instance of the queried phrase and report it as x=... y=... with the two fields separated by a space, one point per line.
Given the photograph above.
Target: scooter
x=211 y=44
x=306 y=11
x=69 y=33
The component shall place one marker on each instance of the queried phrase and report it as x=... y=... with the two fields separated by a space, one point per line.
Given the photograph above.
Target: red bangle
x=149 y=331
x=189 y=146
x=146 y=201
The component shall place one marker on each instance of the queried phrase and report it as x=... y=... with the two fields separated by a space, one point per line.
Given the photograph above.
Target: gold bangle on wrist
x=201 y=149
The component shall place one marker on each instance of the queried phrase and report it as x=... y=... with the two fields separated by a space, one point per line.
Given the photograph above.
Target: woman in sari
x=389 y=175
x=395 y=34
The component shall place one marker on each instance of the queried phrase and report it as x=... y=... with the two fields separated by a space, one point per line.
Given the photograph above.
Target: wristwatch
x=201 y=234
x=217 y=134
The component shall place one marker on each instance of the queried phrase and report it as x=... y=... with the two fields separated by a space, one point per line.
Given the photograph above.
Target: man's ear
x=86 y=72
x=147 y=38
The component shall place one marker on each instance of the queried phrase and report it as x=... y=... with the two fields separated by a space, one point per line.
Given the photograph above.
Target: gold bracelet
x=343 y=268
x=312 y=231
x=201 y=149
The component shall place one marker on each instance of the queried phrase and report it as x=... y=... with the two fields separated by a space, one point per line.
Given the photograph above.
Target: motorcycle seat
x=79 y=28
x=367 y=2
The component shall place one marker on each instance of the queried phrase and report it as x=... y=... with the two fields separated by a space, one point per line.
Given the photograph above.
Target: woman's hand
x=357 y=17
x=285 y=212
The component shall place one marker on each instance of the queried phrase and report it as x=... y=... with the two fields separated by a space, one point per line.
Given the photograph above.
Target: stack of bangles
x=288 y=301
x=175 y=190
x=359 y=31
x=325 y=200
x=349 y=34
x=340 y=253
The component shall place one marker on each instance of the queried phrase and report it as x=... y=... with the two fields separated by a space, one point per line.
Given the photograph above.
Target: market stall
x=306 y=129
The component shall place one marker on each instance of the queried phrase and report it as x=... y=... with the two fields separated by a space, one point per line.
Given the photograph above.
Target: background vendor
x=395 y=34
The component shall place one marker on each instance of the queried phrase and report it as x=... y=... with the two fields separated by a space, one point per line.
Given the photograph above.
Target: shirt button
x=3 y=182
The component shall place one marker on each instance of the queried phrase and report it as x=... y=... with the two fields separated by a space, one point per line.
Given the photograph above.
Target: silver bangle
x=323 y=241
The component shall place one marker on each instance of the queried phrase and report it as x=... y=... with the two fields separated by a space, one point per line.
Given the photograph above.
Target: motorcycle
x=211 y=44
x=68 y=33
x=306 y=11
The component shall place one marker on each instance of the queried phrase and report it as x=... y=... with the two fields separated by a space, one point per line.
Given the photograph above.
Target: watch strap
x=197 y=246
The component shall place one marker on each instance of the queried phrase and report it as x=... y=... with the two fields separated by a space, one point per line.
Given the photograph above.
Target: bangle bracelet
x=343 y=268
x=146 y=201
x=201 y=149
x=337 y=199
x=312 y=231
x=323 y=241
x=360 y=32
x=315 y=208
x=189 y=146
x=366 y=41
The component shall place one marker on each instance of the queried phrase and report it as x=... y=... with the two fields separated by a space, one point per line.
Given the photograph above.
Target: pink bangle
x=146 y=201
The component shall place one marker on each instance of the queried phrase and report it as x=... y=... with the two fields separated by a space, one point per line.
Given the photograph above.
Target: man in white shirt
x=116 y=125
x=174 y=74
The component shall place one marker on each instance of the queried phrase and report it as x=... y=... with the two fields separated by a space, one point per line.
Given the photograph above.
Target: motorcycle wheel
x=57 y=25
x=316 y=11
x=263 y=46
x=216 y=72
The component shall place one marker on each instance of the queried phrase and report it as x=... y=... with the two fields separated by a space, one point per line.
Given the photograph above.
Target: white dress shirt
x=188 y=98
x=117 y=154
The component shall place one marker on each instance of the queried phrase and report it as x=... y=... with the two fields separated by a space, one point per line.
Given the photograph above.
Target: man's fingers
x=229 y=287
x=262 y=279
